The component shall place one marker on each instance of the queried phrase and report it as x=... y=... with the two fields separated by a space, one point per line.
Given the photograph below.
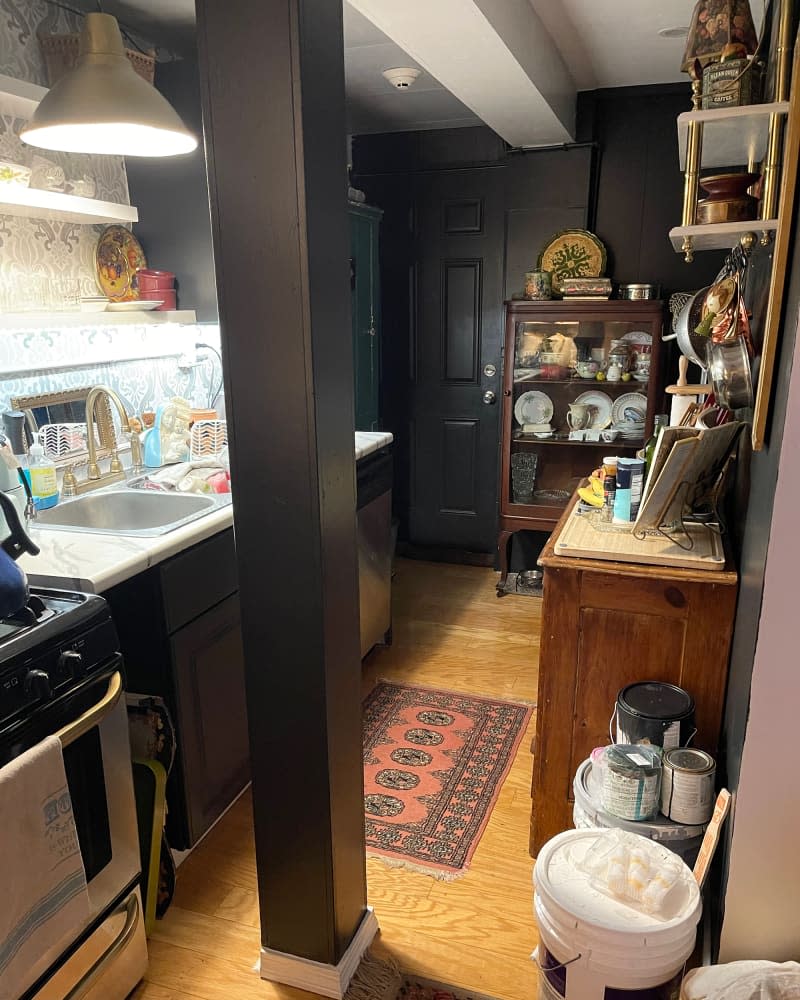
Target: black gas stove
x=49 y=648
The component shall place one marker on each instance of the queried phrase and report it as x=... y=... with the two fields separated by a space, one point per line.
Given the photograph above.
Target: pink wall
x=761 y=908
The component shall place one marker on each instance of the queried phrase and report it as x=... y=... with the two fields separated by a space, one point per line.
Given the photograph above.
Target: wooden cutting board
x=581 y=538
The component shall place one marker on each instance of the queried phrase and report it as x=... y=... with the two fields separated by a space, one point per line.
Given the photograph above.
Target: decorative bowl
x=724 y=186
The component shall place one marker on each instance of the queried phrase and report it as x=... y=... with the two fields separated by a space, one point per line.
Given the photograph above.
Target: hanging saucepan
x=729 y=370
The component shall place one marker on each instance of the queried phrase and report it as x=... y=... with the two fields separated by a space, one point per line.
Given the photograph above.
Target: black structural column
x=273 y=99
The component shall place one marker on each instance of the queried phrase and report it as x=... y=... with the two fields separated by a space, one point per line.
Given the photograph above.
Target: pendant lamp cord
x=81 y=13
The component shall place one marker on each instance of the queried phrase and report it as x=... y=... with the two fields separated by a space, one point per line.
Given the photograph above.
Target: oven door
x=97 y=760
x=92 y=724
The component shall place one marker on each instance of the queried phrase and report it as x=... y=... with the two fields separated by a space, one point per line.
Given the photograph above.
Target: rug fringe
x=374 y=979
x=412 y=866
x=523 y=702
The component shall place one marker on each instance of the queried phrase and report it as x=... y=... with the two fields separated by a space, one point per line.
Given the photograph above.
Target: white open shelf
x=21 y=98
x=719 y=235
x=731 y=136
x=35 y=204
x=91 y=320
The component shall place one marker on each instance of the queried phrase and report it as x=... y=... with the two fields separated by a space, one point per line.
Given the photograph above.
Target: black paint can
x=656 y=713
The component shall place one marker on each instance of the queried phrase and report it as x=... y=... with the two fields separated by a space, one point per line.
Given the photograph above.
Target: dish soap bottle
x=44 y=482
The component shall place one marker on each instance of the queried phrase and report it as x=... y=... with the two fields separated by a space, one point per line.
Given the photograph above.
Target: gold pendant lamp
x=103 y=106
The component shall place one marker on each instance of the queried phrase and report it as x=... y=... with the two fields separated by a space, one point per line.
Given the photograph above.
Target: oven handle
x=92 y=716
x=131 y=910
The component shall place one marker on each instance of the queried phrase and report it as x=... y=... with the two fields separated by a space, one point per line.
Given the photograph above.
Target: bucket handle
x=611 y=722
x=557 y=965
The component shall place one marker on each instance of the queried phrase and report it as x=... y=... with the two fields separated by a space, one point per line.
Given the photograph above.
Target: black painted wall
x=171 y=194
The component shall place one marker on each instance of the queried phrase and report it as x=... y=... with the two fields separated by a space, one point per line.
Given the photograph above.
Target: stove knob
x=37 y=683
x=70 y=663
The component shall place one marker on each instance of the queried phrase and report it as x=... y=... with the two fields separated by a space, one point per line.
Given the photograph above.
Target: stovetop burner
x=49 y=647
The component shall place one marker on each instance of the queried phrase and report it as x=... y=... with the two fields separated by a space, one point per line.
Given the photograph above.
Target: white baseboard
x=318 y=977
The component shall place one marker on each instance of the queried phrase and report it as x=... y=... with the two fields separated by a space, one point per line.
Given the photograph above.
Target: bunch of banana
x=593 y=493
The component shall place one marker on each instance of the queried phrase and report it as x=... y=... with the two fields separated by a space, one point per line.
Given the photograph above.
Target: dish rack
x=61 y=440
x=207 y=437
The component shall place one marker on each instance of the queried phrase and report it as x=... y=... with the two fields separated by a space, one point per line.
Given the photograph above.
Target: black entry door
x=457 y=358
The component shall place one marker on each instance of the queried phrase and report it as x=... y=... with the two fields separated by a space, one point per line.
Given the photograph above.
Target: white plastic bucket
x=590 y=942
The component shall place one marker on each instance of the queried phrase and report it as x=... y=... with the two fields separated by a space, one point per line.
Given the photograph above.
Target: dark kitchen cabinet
x=180 y=633
x=365 y=313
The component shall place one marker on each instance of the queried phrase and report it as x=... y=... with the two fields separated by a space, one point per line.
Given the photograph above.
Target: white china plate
x=622 y=410
x=533 y=407
x=135 y=305
x=600 y=405
x=637 y=337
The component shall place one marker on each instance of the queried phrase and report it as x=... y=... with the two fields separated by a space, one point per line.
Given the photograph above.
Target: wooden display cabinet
x=575 y=329
x=607 y=624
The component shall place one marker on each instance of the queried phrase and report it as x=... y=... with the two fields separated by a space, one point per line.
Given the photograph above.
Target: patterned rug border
x=446 y=873
x=522 y=702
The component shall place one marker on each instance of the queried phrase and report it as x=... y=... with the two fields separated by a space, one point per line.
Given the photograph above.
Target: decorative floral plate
x=533 y=407
x=573 y=253
x=118 y=257
x=600 y=405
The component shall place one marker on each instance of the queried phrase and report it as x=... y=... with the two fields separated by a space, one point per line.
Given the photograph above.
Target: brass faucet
x=95 y=479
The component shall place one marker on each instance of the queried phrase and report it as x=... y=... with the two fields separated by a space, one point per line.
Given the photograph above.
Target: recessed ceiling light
x=680 y=32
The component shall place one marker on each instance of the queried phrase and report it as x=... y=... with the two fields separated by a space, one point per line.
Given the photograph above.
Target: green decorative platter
x=573 y=253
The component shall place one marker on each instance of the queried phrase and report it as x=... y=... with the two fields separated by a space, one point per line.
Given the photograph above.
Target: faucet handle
x=69 y=484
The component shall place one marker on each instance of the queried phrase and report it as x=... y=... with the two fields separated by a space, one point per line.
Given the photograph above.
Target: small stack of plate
x=628 y=414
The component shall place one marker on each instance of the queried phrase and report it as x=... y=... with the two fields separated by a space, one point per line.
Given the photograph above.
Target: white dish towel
x=42 y=878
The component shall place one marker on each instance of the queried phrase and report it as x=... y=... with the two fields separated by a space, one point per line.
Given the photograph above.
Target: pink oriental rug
x=434 y=763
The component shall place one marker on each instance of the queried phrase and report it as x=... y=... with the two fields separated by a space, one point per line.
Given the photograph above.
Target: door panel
x=458 y=319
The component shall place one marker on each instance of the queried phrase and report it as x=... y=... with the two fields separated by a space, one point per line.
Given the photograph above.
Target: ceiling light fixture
x=102 y=105
x=402 y=77
x=680 y=32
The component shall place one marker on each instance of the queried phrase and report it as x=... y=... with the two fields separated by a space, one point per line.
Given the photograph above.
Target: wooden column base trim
x=318 y=977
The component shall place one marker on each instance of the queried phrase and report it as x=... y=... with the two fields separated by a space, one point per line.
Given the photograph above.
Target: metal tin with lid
x=687 y=785
x=638 y=290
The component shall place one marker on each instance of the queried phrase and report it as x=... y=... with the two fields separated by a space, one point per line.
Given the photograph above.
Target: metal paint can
x=656 y=713
x=630 y=781
x=687 y=785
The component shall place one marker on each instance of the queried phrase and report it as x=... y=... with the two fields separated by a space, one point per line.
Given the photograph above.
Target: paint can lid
x=656 y=700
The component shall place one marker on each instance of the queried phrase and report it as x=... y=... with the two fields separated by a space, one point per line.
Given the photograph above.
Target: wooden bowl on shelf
x=721 y=187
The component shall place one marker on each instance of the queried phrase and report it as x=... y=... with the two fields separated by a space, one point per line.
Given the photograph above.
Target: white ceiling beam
x=495 y=56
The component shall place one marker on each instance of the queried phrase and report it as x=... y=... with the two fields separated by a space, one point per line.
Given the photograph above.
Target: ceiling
x=614 y=43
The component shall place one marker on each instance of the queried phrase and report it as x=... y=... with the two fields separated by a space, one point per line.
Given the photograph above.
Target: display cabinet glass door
x=576 y=383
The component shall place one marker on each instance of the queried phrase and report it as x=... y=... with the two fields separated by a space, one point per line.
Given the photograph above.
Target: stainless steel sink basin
x=127 y=512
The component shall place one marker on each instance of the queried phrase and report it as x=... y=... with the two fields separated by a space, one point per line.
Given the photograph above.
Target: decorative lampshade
x=103 y=106
x=715 y=24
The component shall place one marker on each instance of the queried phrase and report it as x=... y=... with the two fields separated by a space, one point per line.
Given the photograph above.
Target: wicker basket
x=61 y=53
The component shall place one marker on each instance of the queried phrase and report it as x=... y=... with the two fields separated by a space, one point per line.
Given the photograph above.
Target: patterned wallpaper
x=34 y=253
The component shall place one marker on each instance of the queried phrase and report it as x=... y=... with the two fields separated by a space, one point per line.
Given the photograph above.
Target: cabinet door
x=365 y=309
x=212 y=714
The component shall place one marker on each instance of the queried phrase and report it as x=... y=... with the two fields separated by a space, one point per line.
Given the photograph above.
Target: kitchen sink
x=129 y=512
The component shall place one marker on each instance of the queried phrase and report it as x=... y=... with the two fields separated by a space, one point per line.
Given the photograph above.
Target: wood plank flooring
x=477 y=932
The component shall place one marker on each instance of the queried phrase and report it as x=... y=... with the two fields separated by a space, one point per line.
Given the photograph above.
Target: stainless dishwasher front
x=374 y=535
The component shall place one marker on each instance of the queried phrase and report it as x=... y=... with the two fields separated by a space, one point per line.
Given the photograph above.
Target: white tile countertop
x=368 y=442
x=93 y=562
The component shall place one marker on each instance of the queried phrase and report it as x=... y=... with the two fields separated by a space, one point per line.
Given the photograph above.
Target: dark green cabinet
x=365 y=285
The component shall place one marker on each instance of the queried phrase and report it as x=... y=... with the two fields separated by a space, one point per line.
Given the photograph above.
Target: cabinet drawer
x=198 y=579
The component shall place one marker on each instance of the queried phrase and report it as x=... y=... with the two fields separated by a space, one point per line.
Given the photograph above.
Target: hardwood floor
x=477 y=932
